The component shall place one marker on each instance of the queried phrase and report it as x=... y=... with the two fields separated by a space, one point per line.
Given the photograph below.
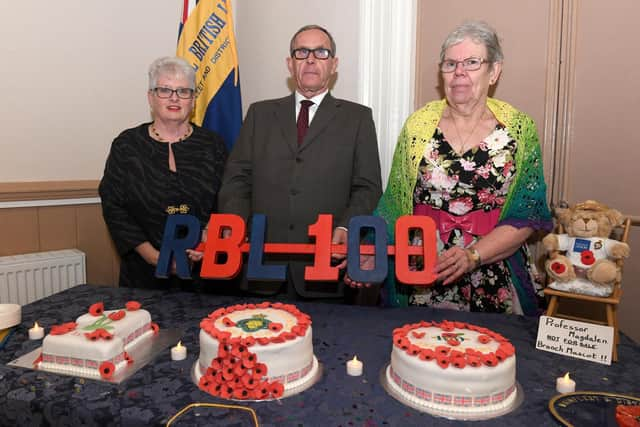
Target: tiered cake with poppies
x=96 y=344
x=255 y=351
x=452 y=367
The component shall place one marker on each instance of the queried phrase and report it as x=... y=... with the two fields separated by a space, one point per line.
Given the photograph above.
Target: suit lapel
x=285 y=116
x=326 y=111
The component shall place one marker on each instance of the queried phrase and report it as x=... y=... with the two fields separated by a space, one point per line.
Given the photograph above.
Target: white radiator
x=30 y=277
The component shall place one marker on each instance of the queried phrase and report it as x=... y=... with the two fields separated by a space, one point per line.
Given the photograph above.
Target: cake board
x=394 y=391
x=313 y=378
x=141 y=355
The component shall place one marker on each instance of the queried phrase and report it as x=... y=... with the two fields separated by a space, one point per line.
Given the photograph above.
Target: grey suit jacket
x=336 y=170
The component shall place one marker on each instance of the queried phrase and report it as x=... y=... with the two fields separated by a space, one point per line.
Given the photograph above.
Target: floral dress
x=478 y=179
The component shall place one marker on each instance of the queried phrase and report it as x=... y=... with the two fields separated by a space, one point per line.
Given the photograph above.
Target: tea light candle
x=354 y=367
x=179 y=352
x=565 y=384
x=37 y=332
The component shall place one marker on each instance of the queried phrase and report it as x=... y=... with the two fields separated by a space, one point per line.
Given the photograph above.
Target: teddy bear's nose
x=585 y=220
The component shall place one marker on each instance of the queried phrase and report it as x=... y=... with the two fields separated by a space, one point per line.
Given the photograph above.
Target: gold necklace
x=155 y=133
x=464 y=142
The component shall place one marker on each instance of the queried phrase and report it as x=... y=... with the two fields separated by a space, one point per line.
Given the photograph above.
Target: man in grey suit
x=293 y=161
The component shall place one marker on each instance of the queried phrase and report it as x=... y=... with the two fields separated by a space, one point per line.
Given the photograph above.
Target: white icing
x=79 y=351
x=468 y=382
x=284 y=361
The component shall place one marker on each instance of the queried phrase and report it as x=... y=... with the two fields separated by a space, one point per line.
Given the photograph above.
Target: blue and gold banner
x=207 y=42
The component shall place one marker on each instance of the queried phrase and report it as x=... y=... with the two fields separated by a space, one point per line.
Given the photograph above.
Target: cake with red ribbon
x=255 y=351
x=452 y=367
x=97 y=343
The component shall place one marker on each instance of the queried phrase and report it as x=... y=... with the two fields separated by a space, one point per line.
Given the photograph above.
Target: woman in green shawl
x=472 y=163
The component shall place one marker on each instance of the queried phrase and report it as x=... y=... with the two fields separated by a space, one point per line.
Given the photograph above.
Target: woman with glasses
x=166 y=167
x=472 y=164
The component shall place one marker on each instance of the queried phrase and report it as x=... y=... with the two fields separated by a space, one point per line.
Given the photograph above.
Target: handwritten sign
x=575 y=339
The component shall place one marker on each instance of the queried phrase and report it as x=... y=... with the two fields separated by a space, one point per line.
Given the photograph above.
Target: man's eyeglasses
x=318 y=53
x=469 y=64
x=165 y=92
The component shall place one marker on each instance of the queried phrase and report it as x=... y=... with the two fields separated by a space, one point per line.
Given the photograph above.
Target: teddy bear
x=585 y=251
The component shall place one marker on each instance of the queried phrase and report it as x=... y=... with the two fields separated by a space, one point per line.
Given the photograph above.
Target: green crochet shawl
x=525 y=204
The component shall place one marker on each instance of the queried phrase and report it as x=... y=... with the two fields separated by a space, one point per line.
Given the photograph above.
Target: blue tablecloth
x=163 y=387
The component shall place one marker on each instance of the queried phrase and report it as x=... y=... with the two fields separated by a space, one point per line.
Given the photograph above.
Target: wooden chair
x=610 y=303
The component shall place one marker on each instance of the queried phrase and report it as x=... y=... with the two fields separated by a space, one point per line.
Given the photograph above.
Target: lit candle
x=179 y=352
x=354 y=367
x=36 y=333
x=565 y=384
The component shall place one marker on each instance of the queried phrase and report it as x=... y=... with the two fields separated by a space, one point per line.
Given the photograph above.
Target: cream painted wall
x=264 y=30
x=74 y=72
x=73 y=76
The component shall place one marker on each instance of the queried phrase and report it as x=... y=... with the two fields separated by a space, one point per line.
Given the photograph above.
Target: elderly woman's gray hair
x=479 y=32
x=171 y=66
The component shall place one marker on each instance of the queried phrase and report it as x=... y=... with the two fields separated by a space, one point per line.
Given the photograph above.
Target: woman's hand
x=452 y=264
x=367 y=262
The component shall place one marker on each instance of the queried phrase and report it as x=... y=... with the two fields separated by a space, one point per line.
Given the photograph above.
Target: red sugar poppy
x=241 y=393
x=277 y=305
x=249 y=341
x=263 y=341
x=490 y=359
x=558 y=267
x=93 y=336
x=455 y=353
x=239 y=370
x=260 y=370
x=216 y=363
x=474 y=361
x=443 y=361
x=117 y=315
x=587 y=257
x=229 y=361
x=155 y=328
x=203 y=383
x=459 y=362
x=228 y=322
x=460 y=325
x=484 y=339
x=225 y=392
x=217 y=313
x=275 y=326
x=224 y=336
x=262 y=390
x=289 y=336
x=228 y=374
x=249 y=382
x=104 y=334
x=96 y=309
x=277 y=339
x=238 y=351
x=417 y=334
x=128 y=358
x=58 y=330
x=425 y=324
x=132 y=305
x=398 y=331
x=500 y=355
x=507 y=348
x=249 y=361
x=453 y=342
x=277 y=389
x=263 y=304
x=427 y=354
x=447 y=327
x=70 y=326
x=442 y=349
x=413 y=350
x=106 y=370
x=403 y=343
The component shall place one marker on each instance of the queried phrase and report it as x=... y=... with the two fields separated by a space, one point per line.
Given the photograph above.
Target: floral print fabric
x=477 y=179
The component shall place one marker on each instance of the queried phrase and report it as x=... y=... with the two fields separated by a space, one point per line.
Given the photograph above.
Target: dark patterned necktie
x=303 y=119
